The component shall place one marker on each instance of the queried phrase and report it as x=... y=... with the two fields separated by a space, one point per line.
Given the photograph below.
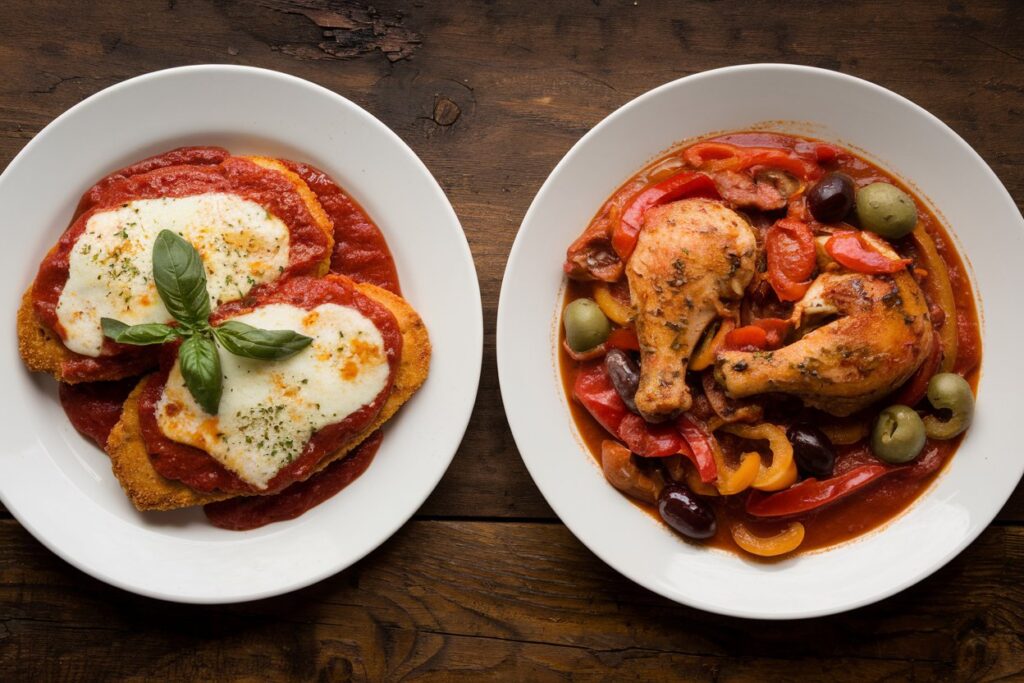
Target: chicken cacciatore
x=770 y=343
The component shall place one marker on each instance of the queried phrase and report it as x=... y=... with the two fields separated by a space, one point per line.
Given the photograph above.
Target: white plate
x=902 y=138
x=60 y=487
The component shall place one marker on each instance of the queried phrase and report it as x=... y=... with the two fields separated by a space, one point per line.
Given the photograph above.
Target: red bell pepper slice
x=782 y=159
x=826 y=154
x=701 y=452
x=679 y=186
x=850 y=249
x=623 y=338
x=747 y=338
x=594 y=389
x=719 y=156
x=811 y=494
x=760 y=335
x=789 y=248
x=704 y=152
x=647 y=440
x=929 y=462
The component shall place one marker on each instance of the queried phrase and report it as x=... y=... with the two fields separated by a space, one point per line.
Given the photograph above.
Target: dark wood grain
x=491 y=95
x=522 y=600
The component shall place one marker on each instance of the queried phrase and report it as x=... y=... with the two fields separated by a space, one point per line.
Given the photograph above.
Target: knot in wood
x=446 y=112
x=336 y=669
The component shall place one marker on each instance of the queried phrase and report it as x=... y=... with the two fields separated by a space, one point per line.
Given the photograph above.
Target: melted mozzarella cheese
x=111 y=264
x=270 y=409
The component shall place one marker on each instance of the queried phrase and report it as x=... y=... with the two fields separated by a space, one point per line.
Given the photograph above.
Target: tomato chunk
x=789 y=247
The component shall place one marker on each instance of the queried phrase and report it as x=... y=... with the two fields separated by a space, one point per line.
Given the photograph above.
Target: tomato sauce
x=360 y=252
x=154 y=178
x=873 y=506
x=95 y=407
x=194 y=467
x=251 y=512
x=182 y=156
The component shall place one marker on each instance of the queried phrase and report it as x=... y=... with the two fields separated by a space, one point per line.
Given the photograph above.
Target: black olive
x=831 y=198
x=685 y=512
x=625 y=375
x=812 y=450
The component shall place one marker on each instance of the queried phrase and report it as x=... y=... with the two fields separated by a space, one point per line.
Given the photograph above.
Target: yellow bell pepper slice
x=939 y=290
x=782 y=472
x=704 y=357
x=844 y=431
x=618 y=312
x=786 y=541
x=733 y=480
x=693 y=480
x=784 y=480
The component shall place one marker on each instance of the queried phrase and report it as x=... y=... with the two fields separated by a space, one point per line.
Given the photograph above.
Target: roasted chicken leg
x=881 y=334
x=693 y=257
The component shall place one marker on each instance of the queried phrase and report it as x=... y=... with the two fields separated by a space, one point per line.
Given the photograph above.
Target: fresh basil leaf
x=180 y=279
x=252 y=342
x=138 y=335
x=200 y=367
x=112 y=328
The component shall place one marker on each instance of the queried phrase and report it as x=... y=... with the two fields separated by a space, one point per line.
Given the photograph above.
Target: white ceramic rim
x=458 y=345
x=511 y=373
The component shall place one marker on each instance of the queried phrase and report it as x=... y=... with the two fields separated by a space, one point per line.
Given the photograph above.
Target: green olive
x=886 y=209
x=586 y=325
x=949 y=391
x=898 y=436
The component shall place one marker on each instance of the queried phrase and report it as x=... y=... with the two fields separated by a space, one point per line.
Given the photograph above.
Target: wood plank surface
x=487 y=583
x=525 y=600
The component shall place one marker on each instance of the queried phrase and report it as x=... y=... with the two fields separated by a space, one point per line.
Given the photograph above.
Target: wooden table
x=485 y=581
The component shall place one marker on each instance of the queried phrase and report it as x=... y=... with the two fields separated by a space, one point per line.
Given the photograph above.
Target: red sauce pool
x=360 y=250
x=251 y=512
x=95 y=407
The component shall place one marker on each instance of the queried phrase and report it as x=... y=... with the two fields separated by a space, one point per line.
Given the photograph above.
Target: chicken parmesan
x=229 y=329
x=769 y=343
x=252 y=220
x=271 y=411
x=369 y=353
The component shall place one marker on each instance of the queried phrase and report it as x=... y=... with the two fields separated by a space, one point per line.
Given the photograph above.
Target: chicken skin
x=882 y=334
x=693 y=258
